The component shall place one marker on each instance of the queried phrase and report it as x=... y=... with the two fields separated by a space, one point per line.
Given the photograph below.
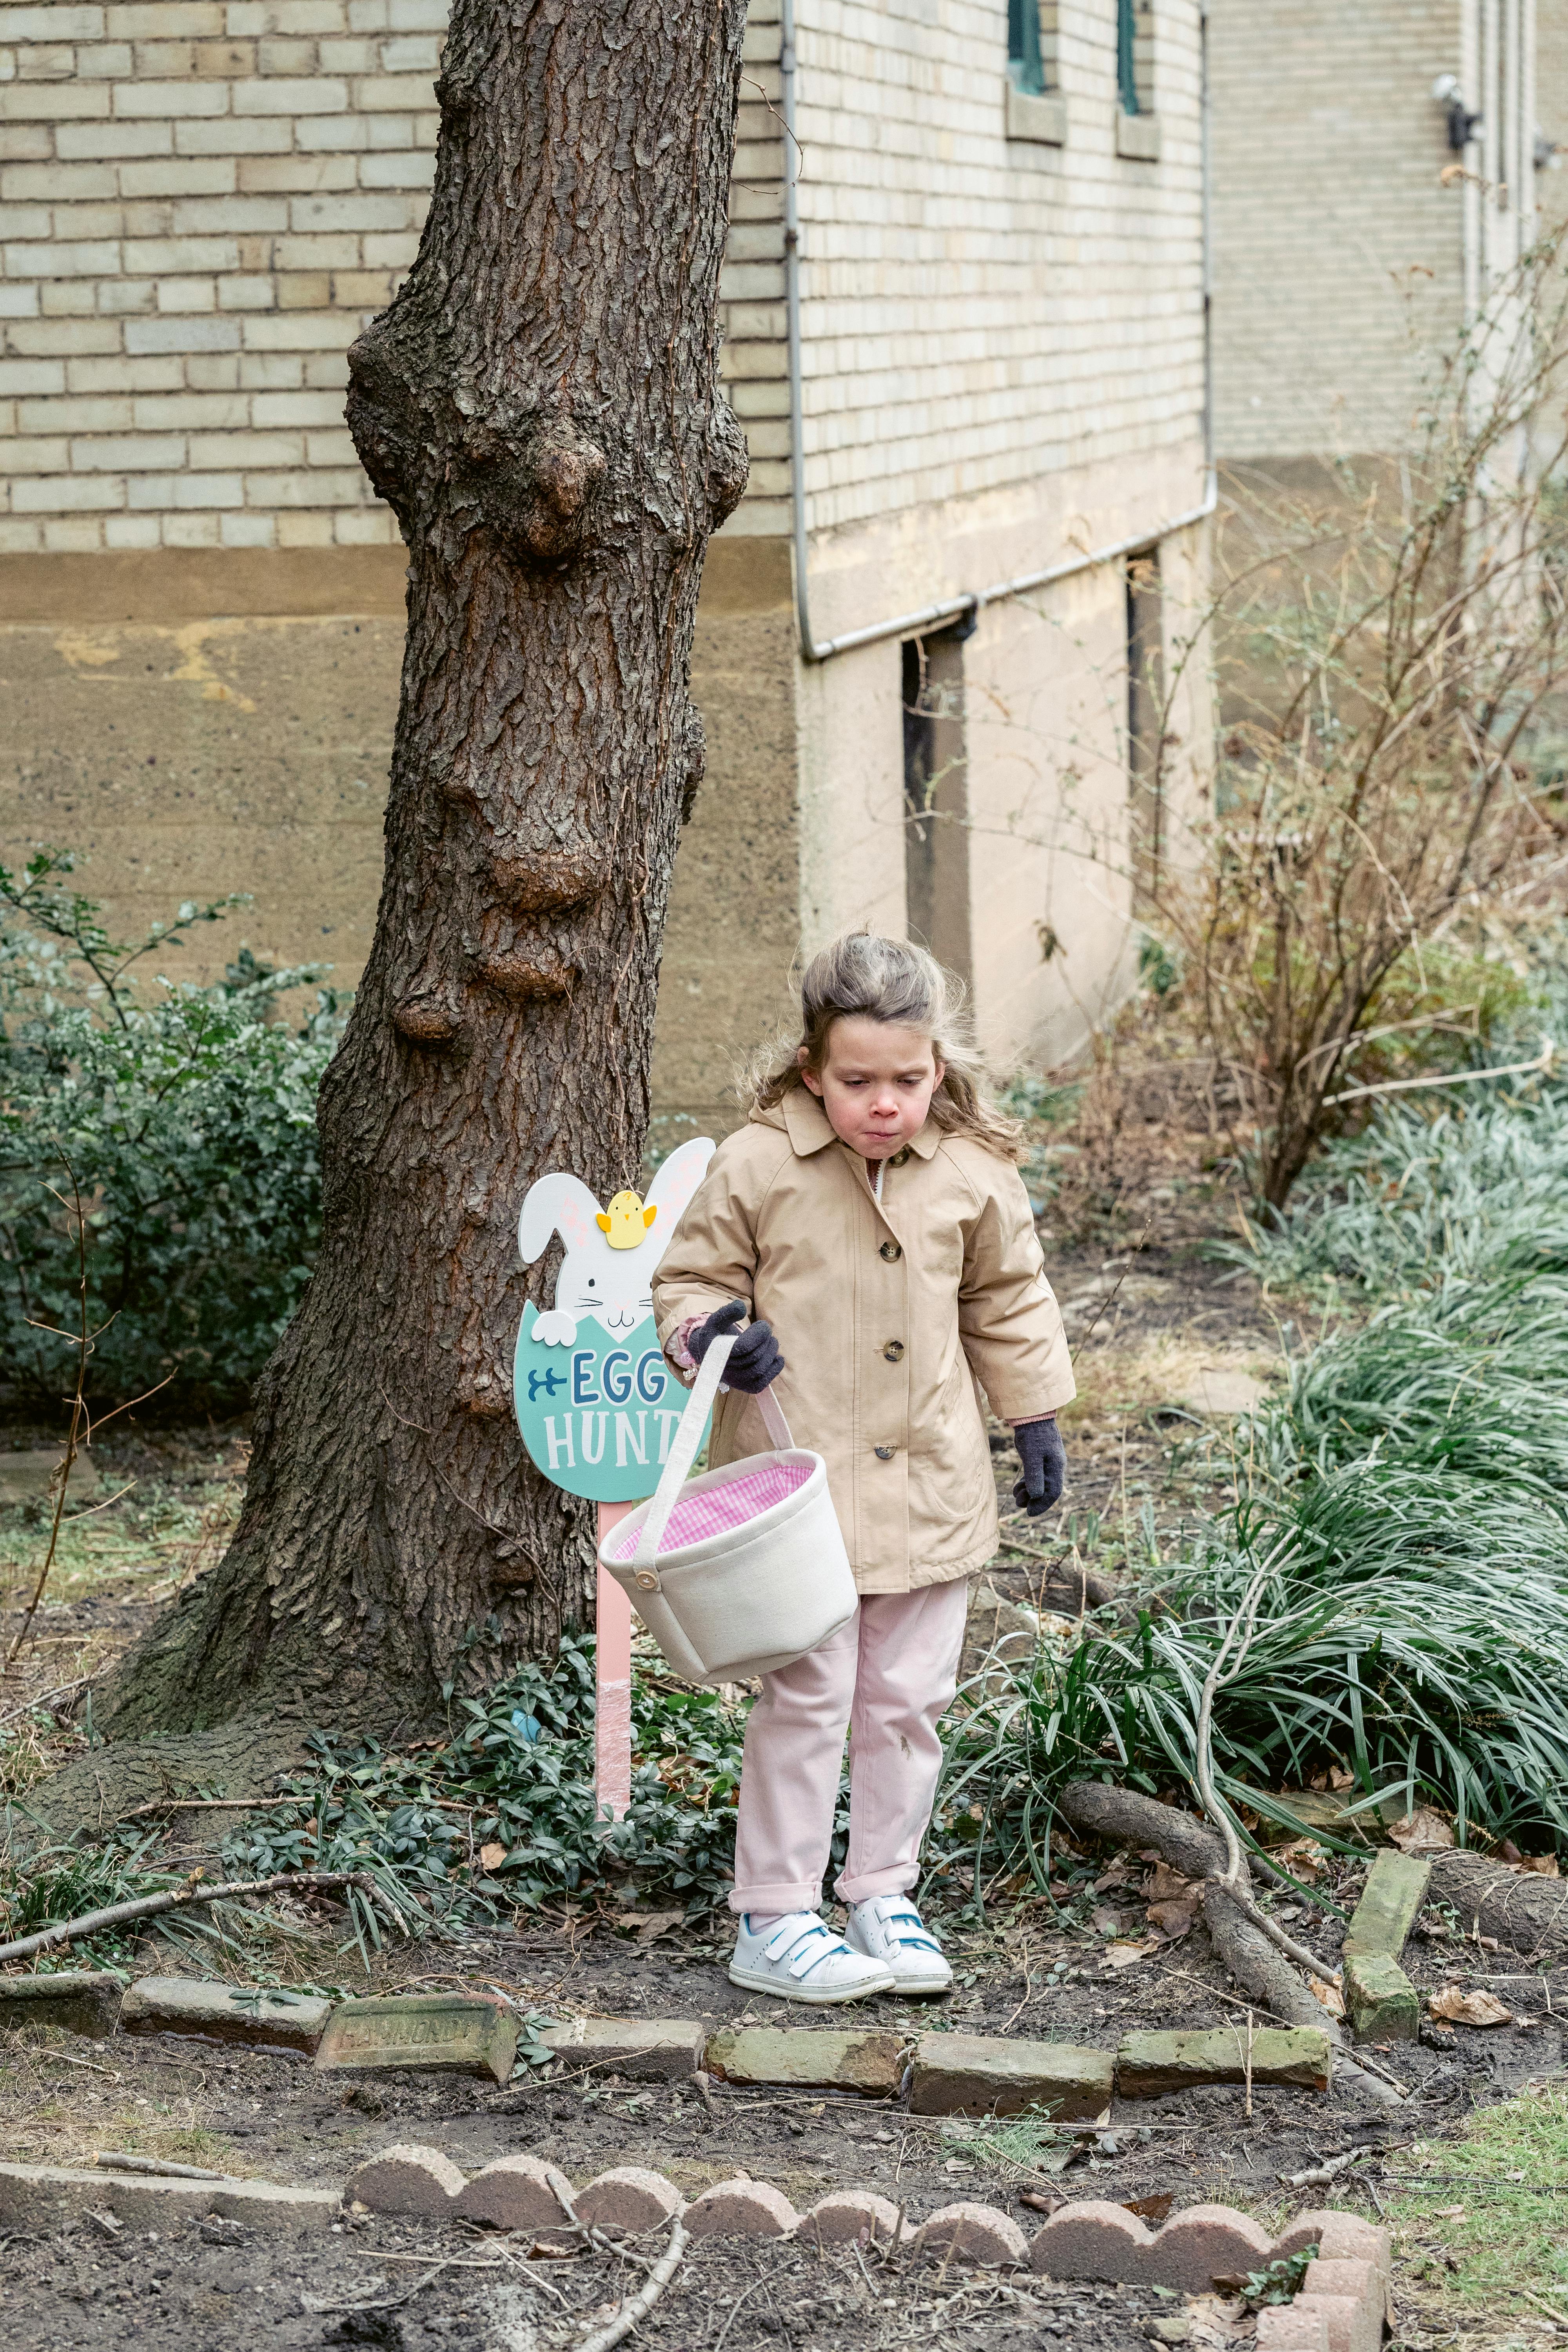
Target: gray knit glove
x=755 y=1361
x=1044 y=1461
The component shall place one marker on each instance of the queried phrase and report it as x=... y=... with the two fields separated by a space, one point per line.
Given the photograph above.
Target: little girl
x=871 y=1221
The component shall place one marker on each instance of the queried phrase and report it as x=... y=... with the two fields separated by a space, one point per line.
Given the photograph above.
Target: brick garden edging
x=1342 y=2307
x=946 y=2074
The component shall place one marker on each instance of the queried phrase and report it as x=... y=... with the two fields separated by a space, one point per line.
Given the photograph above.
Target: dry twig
x=637 y=2306
x=148 y=1906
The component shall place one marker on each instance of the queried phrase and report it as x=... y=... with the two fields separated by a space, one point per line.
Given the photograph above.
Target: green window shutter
x=1025 y=65
x=1126 y=66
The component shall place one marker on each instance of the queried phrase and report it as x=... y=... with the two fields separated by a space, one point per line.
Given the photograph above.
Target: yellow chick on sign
x=626 y=1222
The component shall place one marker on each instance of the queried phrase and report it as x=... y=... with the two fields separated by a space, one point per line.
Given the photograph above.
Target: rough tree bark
x=539 y=407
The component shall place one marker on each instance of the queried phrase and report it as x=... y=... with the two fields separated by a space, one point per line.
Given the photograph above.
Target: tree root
x=96 y=1791
x=1528 y=1913
x=1124 y=1817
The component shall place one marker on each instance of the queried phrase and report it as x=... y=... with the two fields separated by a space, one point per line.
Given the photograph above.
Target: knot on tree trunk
x=729 y=461
x=524 y=475
x=536 y=489
x=545 y=881
x=524 y=972
x=428 y=1017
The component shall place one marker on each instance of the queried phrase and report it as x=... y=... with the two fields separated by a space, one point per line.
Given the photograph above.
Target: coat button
x=884 y=1453
x=894 y=1351
x=900 y=1158
x=891 y=1250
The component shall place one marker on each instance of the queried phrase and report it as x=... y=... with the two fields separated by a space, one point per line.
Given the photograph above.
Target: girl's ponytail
x=866 y=976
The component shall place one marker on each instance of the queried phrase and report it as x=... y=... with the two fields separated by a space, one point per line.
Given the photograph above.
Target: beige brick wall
x=1337 y=253
x=981 y=310
x=201 y=204
x=202 y=201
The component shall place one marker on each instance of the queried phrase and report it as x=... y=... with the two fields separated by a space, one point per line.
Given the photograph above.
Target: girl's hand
x=755 y=1361
x=1044 y=1461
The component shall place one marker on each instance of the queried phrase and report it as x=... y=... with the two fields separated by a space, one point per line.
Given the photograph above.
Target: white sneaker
x=800 y=1958
x=888 y=1929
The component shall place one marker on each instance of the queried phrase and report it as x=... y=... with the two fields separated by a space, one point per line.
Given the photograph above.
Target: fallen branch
x=148 y=1906
x=1234 y=1878
x=1542 y=1062
x=639 y=2305
x=1524 y=1911
x=111 y=2161
x=1122 y=1817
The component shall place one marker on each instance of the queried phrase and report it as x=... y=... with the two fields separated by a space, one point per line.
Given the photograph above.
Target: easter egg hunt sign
x=597 y=1415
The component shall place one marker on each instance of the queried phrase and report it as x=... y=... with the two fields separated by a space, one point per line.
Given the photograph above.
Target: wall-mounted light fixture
x=1462 y=124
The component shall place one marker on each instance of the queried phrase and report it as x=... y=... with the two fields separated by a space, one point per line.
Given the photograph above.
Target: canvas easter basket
x=741 y=1569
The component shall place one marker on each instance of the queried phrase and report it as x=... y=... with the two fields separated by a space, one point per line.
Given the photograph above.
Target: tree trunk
x=541 y=408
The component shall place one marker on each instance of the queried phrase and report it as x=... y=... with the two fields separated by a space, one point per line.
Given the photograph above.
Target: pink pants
x=888 y=1675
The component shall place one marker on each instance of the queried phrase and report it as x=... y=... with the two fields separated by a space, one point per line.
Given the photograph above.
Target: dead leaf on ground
x=492 y=1856
x=1042 y=2200
x=652 y=1925
x=1544 y=1866
x=1327 y=1996
x=1121 y=1954
x=1105 y=1919
x=1303 y=1858
x=1173 y=1920
x=1421 y=1832
x=1154 y=2208
x=1164 y=1885
x=1461 y=2007
x=1121 y=1874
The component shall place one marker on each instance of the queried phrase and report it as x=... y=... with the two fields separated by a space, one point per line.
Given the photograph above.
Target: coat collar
x=807 y=1126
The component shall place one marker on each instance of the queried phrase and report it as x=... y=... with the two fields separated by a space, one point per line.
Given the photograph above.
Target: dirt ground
x=1144 y=1459
x=243 y=2113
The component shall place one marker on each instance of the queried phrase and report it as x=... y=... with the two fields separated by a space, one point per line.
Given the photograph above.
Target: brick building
x=963 y=332
x=1377 y=165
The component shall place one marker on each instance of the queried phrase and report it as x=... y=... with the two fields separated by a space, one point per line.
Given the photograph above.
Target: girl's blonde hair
x=863 y=975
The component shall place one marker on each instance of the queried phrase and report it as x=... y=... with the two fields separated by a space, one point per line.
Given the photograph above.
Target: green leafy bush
x=186 y=1116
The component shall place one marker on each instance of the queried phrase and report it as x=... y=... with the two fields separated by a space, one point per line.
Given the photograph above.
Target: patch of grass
x=1421 y=1197
x=1489 y=2231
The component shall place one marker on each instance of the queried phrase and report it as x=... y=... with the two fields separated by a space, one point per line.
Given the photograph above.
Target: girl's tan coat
x=891 y=1319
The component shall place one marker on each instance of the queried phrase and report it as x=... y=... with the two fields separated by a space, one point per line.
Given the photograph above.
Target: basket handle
x=683 y=1452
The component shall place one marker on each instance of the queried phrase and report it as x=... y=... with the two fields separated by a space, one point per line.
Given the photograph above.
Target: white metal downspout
x=1473 y=97
x=1207 y=236
x=792 y=327
x=951 y=608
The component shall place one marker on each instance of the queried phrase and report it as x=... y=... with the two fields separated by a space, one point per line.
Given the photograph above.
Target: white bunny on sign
x=608 y=1271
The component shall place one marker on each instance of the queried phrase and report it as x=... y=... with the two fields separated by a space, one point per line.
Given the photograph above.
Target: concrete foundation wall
x=187 y=756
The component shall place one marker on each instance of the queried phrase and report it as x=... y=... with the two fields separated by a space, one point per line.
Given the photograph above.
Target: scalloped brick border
x=1342 y=2306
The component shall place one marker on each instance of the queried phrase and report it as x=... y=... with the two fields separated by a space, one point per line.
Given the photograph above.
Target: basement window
x=1025 y=49
x=1036 y=111
x=1137 y=128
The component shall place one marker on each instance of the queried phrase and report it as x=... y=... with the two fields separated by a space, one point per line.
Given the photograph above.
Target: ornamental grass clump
x=1408 y=1494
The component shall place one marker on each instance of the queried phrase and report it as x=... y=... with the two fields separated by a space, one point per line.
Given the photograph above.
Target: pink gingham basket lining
x=713 y=1510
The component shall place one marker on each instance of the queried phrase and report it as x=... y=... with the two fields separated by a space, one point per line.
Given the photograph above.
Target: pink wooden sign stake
x=613 y=1675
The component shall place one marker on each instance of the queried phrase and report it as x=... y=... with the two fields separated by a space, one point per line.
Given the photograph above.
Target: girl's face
x=875 y=1084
